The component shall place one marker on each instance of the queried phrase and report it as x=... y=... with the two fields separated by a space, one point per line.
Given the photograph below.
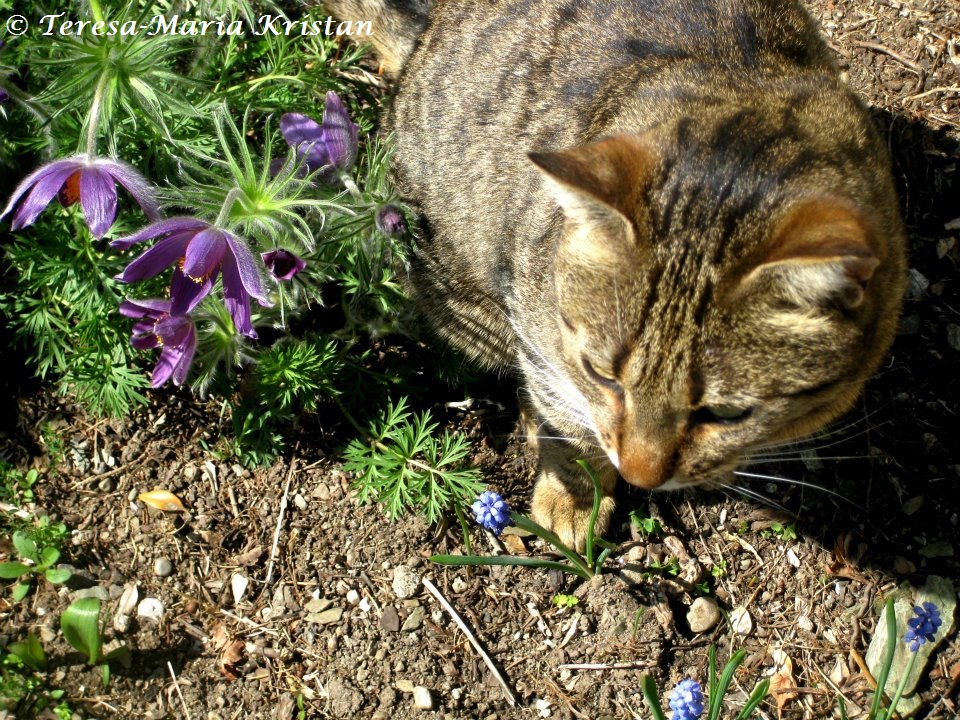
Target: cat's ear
x=819 y=255
x=600 y=184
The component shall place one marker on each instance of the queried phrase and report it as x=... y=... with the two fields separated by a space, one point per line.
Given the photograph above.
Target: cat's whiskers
x=799 y=483
x=553 y=385
x=752 y=495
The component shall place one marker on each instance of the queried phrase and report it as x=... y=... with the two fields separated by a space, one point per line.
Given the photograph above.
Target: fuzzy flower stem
x=227 y=206
x=351 y=186
x=96 y=11
x=93 y=119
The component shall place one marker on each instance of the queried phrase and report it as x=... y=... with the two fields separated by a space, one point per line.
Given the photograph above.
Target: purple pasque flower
x=390 y=221
x=90 y=181
x=200 y=251
x=283 y=264
x=331 y=144
x=157 y=327
x=686 y=700
x=492 y=511
x=923 y=626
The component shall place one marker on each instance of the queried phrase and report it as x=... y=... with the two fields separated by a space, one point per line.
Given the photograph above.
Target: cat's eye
x=598 y=375
x=720 y=414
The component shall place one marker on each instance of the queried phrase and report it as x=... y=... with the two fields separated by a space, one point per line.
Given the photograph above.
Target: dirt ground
x=275 y=584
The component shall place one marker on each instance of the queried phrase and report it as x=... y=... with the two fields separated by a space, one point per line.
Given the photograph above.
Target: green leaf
x=57 y=576
x=26 y=547
x=10 y=570
x=105 y=673
x=48 y=556
x=30 y=652
x=650 y=693
x=20 y=591
x=80 y=624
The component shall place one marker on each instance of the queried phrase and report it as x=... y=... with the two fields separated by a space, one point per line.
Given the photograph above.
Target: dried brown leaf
x=162 y=500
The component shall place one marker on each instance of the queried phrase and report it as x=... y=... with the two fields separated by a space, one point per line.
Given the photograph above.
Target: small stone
x=422 y=698
x=101 y=593
x=121 y=624
x=162 y=567
x=128 y=599
x=404 y=686
x=703 y=614
x=353 y=597
x=459 y=584
x=805 y=623
x=327 y=617
x=406 y=582
x=414 y=620
x=318 y=605
x=390 y=620
x=150 y=609
x=953 y=336
x=300 y=501
x=107 y=485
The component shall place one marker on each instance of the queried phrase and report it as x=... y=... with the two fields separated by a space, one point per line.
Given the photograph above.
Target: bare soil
x=281 y=586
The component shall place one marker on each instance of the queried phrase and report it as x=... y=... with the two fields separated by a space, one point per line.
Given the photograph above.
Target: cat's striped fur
x=670 y=217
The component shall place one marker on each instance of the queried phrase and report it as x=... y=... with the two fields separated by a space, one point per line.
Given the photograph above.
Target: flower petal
x=148 y=308
x=205 y=252
x=163 y=227
x=340 y=138
x=186 y=293
x=237 y=299
x=169 y=357
x=246 y=267
x=134 y=183
x=43 y=184
x=186 y=356
x=283 y=264
x=153 y=261
x=98 y=198
x=173 y=329
x=298 y=130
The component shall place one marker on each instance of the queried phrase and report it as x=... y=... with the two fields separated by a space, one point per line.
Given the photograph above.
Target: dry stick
x=511 y=698
x=628 y=665
x=176 y=685
x=906 y=62
x=276 y=532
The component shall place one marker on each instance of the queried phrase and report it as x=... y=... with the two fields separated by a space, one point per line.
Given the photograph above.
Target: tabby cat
x=669 y=217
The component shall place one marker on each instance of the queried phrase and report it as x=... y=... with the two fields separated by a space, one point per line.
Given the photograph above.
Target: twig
x=511 y=698
x=176 y=685
x=626 y=665
x=906 y=62
x=953 y=89
x=276 y=531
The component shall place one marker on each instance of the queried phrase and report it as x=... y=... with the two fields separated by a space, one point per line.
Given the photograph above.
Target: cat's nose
x=646 y=466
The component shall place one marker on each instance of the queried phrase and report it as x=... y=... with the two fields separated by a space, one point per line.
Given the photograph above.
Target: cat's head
x=701 y=318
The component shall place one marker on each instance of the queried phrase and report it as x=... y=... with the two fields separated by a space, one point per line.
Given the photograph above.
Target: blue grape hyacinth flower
x=923 y=627
x=686 y=700
x=90 y=181
x=492 y=511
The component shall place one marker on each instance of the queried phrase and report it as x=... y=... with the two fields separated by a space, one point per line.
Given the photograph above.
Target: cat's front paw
x=567 y=514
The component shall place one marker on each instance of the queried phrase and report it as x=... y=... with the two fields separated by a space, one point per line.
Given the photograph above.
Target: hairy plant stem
x=93 y=119
x=227 y=206
x=96 y=11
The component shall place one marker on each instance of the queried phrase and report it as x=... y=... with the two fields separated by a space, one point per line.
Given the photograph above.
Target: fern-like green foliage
x=406 y=466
